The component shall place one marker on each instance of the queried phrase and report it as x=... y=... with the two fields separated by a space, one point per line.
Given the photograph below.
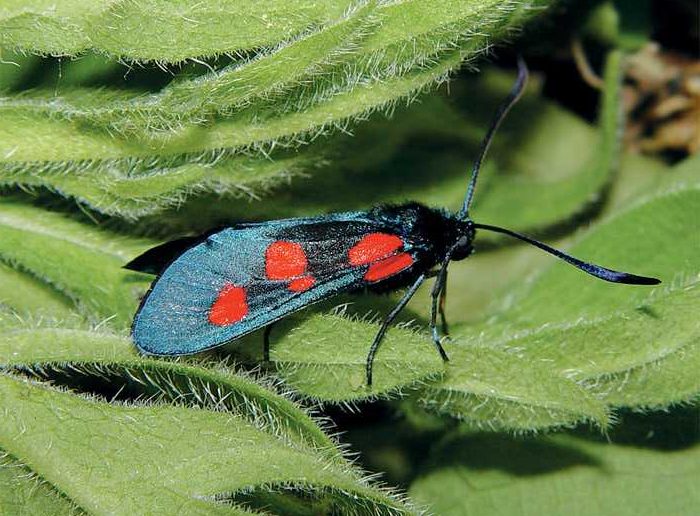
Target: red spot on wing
x=230 y=306
x=374 y=247
x=285 y=260
x=388 y=267
x=302 y=284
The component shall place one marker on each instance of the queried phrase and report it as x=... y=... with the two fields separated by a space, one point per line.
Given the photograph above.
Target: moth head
x=463 y=245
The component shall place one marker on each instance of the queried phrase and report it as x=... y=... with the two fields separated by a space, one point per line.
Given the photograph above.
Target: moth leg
x=266 y=341
x=385 y=325
x=438 y=306
x=441 y=309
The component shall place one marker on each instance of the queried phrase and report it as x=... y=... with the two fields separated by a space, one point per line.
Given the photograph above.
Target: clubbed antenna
x=590 y=268
x=503 y=109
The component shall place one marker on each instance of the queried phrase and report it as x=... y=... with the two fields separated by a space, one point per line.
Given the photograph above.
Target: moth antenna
x=592 y=269
x=515 y=94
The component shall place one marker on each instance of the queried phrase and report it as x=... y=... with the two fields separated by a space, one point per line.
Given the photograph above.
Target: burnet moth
x=230 y=282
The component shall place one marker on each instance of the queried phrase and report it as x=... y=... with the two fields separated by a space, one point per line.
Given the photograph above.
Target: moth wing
x=220 y=289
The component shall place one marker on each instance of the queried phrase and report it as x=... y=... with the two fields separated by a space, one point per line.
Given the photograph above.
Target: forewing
x=243 y=278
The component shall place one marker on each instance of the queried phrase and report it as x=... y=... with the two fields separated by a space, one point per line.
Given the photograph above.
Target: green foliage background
x=125 y=123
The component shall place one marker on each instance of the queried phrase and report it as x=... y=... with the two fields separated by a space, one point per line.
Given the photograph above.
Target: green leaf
x=656 y=384
x=648 y=238
x=208 y=384
x=492 y=476
x=78 y=262
x=47 y=136
x=190 y=100
x=495 y=390
x=14 y=69
x=22 y=493
x=403 y=148
x=608 y=344
x=540 y=185
x=25 y=295
x=238 y=85
x=324 y=358
x=653 y=364
x=391 y=50
x=140 y=193
x=176 y=30
x=362 y=61
x=28 y=136
x=122 y=459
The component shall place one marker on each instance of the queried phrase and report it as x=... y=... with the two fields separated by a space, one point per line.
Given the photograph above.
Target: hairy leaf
x=324 y=358
x=176 y=30
x=22 y=493
x=495 y=390
x=191 y=100
x=545 y=185
x=573 y=334
x=648 y=238
x=14 y=69
x=29 y=136
x=163 y=458
x=80 y=263
x=653 y=362
x=106 y=188
x=359 y=62
x=490 y=476
x=26 y=295
x=207 y=384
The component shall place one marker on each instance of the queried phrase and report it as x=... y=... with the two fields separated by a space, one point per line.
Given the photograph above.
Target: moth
x=230 y=282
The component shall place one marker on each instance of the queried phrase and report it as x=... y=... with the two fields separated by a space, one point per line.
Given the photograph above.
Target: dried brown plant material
x=662 y=101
